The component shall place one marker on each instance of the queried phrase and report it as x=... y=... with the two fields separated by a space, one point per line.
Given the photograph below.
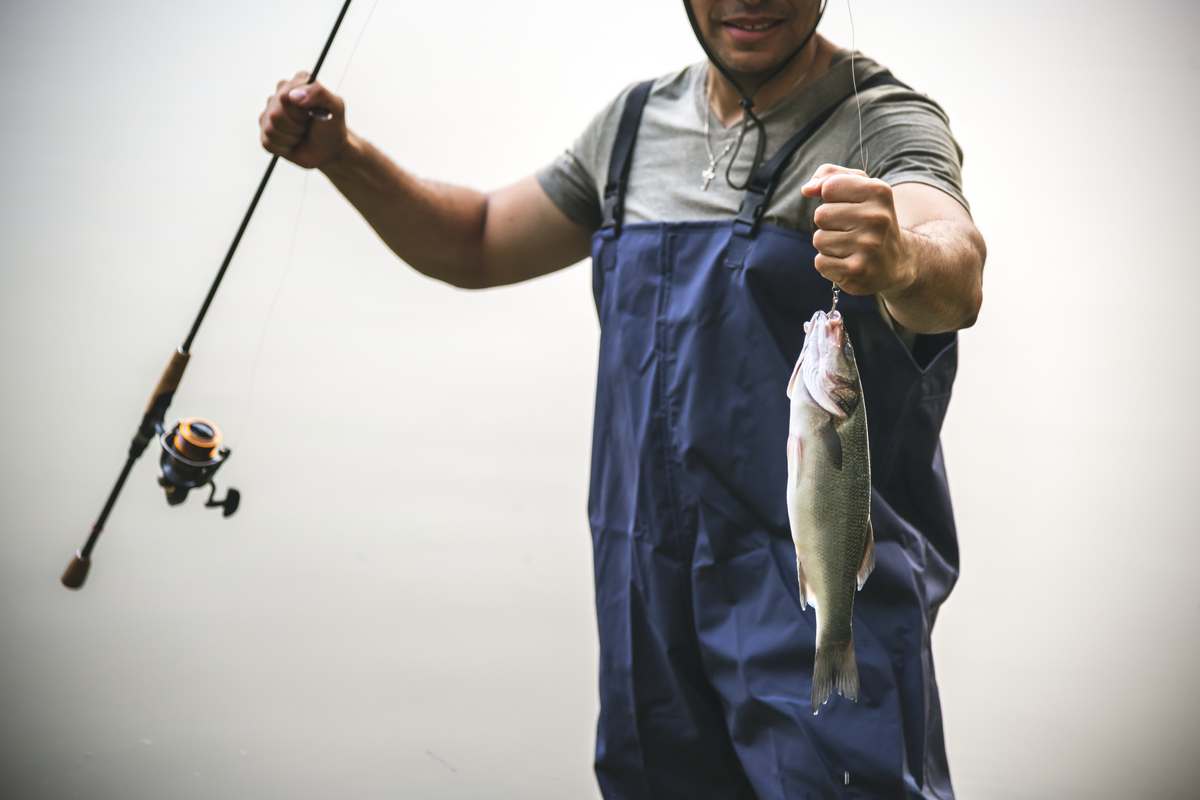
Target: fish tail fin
x=835 y=669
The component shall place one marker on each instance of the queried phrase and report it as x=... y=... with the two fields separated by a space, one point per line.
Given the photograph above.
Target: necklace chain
x=710 y=172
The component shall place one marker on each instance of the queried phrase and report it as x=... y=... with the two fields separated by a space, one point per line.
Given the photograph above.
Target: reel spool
x=191 y=456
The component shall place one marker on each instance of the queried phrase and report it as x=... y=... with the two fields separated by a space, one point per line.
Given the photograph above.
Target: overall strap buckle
x=622 y=157
x=766 y=179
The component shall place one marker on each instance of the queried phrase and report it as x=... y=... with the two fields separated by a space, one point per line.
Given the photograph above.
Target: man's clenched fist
x=304 y=122
x=859 y=242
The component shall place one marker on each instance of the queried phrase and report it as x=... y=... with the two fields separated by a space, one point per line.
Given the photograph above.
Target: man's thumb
x=302 y=95
x=314 y=100
x=311 y=95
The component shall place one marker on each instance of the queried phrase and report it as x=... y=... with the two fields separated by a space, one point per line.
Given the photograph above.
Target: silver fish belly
x=829 y=497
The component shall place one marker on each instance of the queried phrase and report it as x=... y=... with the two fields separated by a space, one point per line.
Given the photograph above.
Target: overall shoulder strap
x=622 y=156
x=763 y=182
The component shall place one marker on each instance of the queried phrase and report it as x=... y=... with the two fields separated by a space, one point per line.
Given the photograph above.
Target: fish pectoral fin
x=791 y=387
x=805 y=600
x=795 y=454
x=868 y=559
x=833 y=443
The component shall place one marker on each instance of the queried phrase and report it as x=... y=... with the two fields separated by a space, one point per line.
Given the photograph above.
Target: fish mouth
x=828 y=372
x=829 y=325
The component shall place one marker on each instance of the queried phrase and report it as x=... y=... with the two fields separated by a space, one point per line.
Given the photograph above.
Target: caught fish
x=829 y=496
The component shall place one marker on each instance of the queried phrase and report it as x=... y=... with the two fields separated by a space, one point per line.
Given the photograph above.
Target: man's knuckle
x=874 y=219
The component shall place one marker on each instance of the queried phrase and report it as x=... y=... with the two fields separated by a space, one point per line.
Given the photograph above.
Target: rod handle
x=169 y=382
x=76 y=572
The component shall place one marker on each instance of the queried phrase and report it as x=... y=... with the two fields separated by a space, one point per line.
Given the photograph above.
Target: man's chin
x=751 y=65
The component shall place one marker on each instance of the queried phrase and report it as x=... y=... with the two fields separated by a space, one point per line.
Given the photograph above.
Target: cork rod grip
x=172 y=375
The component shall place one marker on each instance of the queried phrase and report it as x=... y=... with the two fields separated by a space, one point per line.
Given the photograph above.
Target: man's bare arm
x=458 y=235
x=947 y=254
x=911 y=244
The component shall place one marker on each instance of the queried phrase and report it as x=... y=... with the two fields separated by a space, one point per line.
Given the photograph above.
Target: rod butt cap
x=76 y=572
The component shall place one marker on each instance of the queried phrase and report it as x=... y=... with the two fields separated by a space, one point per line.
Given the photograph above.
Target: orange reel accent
x=197 y=439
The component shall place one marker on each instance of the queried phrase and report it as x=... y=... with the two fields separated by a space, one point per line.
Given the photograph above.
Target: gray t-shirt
x=906 y=136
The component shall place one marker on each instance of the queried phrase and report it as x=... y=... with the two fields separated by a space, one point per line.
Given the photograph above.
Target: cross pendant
x=708 y=174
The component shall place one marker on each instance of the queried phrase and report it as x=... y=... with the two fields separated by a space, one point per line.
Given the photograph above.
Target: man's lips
x=750 y=29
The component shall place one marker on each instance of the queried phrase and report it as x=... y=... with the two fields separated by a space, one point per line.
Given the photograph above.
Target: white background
x=403 y=606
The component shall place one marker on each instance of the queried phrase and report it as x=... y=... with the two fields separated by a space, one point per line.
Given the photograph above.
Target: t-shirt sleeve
x=908 y=140
x=574 y=180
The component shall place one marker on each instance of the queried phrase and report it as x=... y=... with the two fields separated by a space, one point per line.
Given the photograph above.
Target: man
x=720 y=208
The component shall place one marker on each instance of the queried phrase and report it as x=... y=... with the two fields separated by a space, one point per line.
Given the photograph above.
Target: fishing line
x=247 y=404
x=354 y=49
x=862 y=151
x=862 y=148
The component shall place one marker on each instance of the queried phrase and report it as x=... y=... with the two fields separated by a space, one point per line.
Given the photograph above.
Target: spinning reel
x=191 y=456
x=191 y=449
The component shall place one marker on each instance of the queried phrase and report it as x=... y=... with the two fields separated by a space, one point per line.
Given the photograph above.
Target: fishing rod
x=192 y=450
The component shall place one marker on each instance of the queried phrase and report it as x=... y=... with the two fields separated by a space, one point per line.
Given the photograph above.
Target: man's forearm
x=946 y=261
x=436 y=228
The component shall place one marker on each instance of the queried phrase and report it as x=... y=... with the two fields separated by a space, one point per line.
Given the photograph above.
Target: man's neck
x=807 y=66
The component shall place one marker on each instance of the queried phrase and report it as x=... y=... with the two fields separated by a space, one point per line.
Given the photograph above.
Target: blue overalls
x=705 y=656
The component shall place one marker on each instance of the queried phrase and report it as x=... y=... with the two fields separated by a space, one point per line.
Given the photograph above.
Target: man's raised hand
x=304 y=123
x=860 y=244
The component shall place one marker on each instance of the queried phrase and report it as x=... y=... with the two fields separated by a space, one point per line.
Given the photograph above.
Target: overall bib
x=705 y=655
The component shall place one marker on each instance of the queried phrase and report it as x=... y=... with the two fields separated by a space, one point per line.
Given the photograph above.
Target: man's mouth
x=750 y=31
x=751 y=25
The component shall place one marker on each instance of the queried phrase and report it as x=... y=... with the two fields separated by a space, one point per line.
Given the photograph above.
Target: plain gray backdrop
x=403 y=605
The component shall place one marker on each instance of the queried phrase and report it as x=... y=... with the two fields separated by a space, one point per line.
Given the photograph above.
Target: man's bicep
x=917 y=203
x=923 y=208
x=526 y=235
